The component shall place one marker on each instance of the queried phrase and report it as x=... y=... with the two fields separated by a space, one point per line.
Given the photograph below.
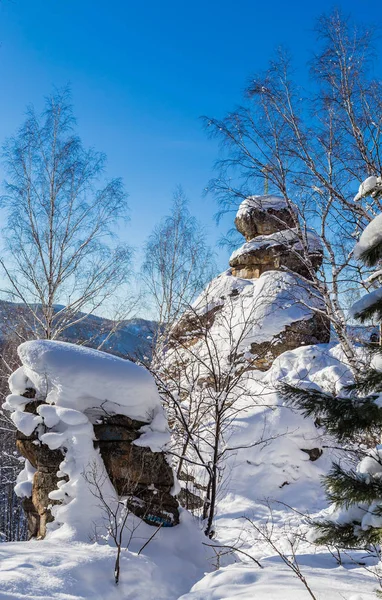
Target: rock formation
x=265 y=295
x=272 y=240
x=131 y=469
x=62 y=433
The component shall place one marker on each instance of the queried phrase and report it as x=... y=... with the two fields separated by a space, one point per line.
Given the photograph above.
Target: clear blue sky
x=141 y=75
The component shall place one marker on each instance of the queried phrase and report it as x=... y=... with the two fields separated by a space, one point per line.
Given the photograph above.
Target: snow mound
x=51 y=570
x=268 y=304
x=81 y=378
x=286 y=237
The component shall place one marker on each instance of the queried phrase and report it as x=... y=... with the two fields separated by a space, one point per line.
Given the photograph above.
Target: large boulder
x=263 y=215
x=134 y=471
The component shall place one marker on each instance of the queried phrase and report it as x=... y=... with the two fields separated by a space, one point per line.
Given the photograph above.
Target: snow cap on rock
x=264 y=203
x=81 y=378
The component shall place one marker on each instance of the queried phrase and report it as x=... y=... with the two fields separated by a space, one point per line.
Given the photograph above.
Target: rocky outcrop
x=306 y=332
x=276 y=251
x=267 y=297
x=142 y=476
x=263 y=215
x=273 y=240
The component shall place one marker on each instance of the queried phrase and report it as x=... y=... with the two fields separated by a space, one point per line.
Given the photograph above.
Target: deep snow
x=174 y=564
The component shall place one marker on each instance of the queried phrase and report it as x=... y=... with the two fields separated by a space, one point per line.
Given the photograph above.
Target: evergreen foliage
x=355 y=494
x=344 y=417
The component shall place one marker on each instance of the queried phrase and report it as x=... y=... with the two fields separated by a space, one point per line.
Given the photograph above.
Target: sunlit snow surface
x=256 y=309
x=172 y=566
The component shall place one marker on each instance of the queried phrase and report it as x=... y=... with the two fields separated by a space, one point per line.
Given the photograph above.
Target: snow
x=23 y=487
x=155 y=434
x=287 y=237
x=368 y=187
x=371 y=236
x=267 y=202
x=25 y=422
x=267 y=305
x=219 y=290
x=79 y=385
x=52 y=570
x=81 y=378
x=270 y=482
x=365 y=302
x=282 y=459
x=277 y=582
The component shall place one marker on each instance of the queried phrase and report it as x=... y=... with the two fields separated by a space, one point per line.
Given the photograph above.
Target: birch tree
x=178 y=264
x=59 y=257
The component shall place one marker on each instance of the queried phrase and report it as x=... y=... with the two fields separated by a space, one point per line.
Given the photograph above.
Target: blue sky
x=142 y=73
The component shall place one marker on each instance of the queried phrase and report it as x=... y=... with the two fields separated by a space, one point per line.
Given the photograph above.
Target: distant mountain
x=133 y=337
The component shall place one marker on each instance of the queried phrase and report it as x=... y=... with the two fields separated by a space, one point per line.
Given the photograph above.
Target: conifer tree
x=355 y=494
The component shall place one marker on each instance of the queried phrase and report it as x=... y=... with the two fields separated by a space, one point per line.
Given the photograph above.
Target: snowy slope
x=277 y=582
x=278 y=487
x=177 y=564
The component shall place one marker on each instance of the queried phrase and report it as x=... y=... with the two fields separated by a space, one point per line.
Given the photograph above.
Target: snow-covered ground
x=57 y=570
x=275 y=484
x=278 y=488
x=275 y=581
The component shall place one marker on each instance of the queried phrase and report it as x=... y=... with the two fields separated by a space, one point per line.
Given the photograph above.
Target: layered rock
x=145 y=472
x=46 y=464
x=274 y=240
x=135 y=472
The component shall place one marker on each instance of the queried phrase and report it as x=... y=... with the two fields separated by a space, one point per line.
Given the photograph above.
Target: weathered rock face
x=273 y=240
x=142 y=476
x=46 y=462
x=273 y=252
x=301 y=333
x=274 y=243
x=136 y=471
